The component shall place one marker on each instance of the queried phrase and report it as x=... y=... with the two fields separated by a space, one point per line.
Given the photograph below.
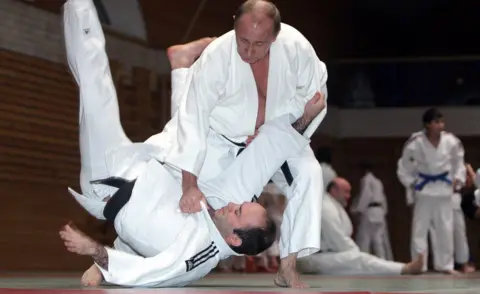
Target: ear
x=234 y=240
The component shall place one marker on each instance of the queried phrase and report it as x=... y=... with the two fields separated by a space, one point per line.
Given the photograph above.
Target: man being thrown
x=339 y=254
x=158 y=246
x=259 y=71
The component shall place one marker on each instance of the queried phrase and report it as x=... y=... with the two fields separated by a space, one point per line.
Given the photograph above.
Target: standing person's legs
x=378 y=246
x=460 y=238
x=422 y=217
x=99 y=120
x=442 y=239
x=363 y=237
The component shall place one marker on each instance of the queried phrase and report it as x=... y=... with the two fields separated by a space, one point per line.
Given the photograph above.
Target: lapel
x=249 y=87
x=273 y=85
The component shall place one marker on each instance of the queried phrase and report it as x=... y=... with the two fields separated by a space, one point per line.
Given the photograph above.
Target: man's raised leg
x=181 y=58
x=99 y=119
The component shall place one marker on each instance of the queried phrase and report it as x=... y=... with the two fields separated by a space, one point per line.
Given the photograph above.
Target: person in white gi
x=339 y=254
x=260 y=70
x=431 y=168
x=324 y=157
x=159 y=246
x=471 y=197
x=371 y=207
x=460 y=240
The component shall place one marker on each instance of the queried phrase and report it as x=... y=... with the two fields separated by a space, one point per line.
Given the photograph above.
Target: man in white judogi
x=371 y=207
x=324 y=157
x=339 y=254
x=158 y=246
x=431 y=168
x=260 y=70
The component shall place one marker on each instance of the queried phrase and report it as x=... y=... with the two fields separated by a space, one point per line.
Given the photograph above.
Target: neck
x=433 y=136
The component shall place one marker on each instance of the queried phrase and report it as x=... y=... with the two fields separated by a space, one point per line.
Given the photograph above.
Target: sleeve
x=204 y=84
x=333 y=232
x=253 y=168
x=459 y=171
x=130 y=270
x=406 y=166
x=363 y=197
x=312 y=77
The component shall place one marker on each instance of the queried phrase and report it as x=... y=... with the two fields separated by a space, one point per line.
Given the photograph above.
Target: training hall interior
x=388 y=62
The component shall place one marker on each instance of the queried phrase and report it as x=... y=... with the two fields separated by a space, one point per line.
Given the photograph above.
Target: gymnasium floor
x=255 y=283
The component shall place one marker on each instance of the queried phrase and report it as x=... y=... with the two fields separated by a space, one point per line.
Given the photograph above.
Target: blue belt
x=430 y=179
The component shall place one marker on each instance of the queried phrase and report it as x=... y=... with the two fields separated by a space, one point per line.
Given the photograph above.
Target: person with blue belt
x=432 y=168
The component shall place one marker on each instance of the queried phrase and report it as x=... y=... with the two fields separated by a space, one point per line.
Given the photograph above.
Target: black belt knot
x=118 y=200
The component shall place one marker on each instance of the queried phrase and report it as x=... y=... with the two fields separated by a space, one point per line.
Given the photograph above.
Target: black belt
x=375 y=204
x=285 y=168
x=118 y=200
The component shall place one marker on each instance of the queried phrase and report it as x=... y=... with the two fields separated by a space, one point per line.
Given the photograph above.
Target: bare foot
x=414 y=267
x=92 y=277
x=183 y=56
x=451 y=272
x=468 y=269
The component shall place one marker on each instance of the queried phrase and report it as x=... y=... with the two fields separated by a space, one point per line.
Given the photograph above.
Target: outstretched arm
x=255 y=166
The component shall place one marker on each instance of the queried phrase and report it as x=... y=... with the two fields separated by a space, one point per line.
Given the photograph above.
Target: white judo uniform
x=339 y=254
x=218 y=111
x=460 y=241
x=371 y=205
x=158 y=246
x=328 y=174
x=428 y=173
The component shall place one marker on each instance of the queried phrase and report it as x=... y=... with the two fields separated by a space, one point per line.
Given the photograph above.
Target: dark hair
x=330 y=186
x=430 y=115
x=324 y=154
x=272 y=12
x=366 y=166
x=256 y=240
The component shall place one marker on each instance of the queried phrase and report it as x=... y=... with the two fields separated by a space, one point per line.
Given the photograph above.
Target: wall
x=395 y=122
x=36 y=32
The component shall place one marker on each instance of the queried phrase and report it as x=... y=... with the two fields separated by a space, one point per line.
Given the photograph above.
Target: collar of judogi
x=223 y=248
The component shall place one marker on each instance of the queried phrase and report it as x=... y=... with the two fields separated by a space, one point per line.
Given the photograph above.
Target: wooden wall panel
x=39 y=155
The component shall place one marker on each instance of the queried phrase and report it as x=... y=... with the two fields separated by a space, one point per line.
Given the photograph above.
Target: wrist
x=95 y=248
x=189 y=180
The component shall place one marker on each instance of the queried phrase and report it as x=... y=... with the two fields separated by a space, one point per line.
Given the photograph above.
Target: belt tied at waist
x=430 y=179
x=375 y=204
x=118 y=200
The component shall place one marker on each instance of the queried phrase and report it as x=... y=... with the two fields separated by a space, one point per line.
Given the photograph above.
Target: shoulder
x=452 y=139
x=290 y=36
x=328 y=207
x=293 y=41
x=414 y=137
x=219 y=50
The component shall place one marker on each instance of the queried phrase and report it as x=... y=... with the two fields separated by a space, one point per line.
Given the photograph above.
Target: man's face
x=236 y=216
x=254 y=37
x=436 y=126
x=342 y=194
